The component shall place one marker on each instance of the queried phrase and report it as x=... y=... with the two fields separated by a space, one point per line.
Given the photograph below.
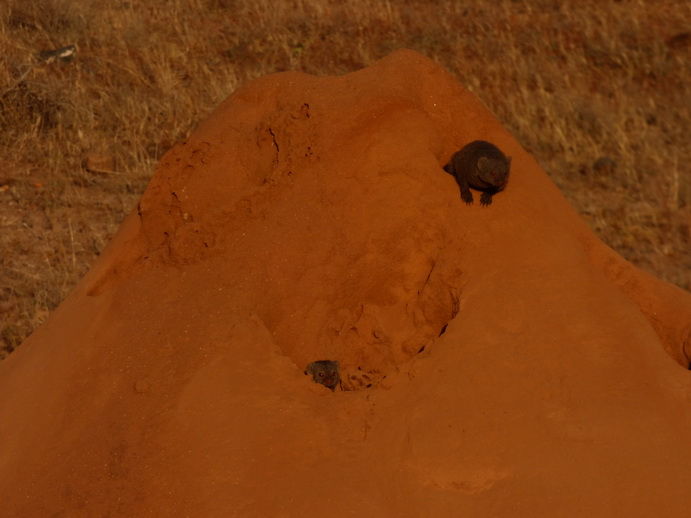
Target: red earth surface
x=496 y=361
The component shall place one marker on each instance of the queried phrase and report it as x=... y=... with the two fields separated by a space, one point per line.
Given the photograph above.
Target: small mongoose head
x=494 y=171
x=325 y=372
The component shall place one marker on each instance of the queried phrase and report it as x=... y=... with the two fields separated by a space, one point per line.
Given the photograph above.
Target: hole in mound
x=358 y=380
x=371 y=341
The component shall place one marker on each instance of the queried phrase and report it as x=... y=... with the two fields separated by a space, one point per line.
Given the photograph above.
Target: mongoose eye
x=333 y=373
x=321 y=374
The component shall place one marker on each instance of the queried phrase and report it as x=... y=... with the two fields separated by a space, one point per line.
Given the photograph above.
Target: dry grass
x=575 y=81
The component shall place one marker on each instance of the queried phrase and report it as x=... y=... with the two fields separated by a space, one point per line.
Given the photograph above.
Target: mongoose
x=482 y=166
x=325 y=372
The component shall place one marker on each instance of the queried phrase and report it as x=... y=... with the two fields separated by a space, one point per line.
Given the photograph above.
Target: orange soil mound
x=498 y=361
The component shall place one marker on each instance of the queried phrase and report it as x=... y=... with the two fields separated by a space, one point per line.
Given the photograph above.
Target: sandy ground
x=496 y=361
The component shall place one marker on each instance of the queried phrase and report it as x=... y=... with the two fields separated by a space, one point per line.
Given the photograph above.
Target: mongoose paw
x=467 y=198
x=485 y=199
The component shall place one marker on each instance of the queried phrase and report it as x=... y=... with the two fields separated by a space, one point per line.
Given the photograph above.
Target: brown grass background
x=598 y=91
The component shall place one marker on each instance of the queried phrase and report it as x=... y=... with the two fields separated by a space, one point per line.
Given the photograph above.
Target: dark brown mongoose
x=325 y=372
x=482 y=166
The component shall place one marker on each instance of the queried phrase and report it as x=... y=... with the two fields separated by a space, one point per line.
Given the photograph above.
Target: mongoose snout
x=325 y=372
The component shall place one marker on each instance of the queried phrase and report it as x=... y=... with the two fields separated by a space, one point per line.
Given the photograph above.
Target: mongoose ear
x=338 y=364
x=481 y=162
x=310 y=368
x=509 y=160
